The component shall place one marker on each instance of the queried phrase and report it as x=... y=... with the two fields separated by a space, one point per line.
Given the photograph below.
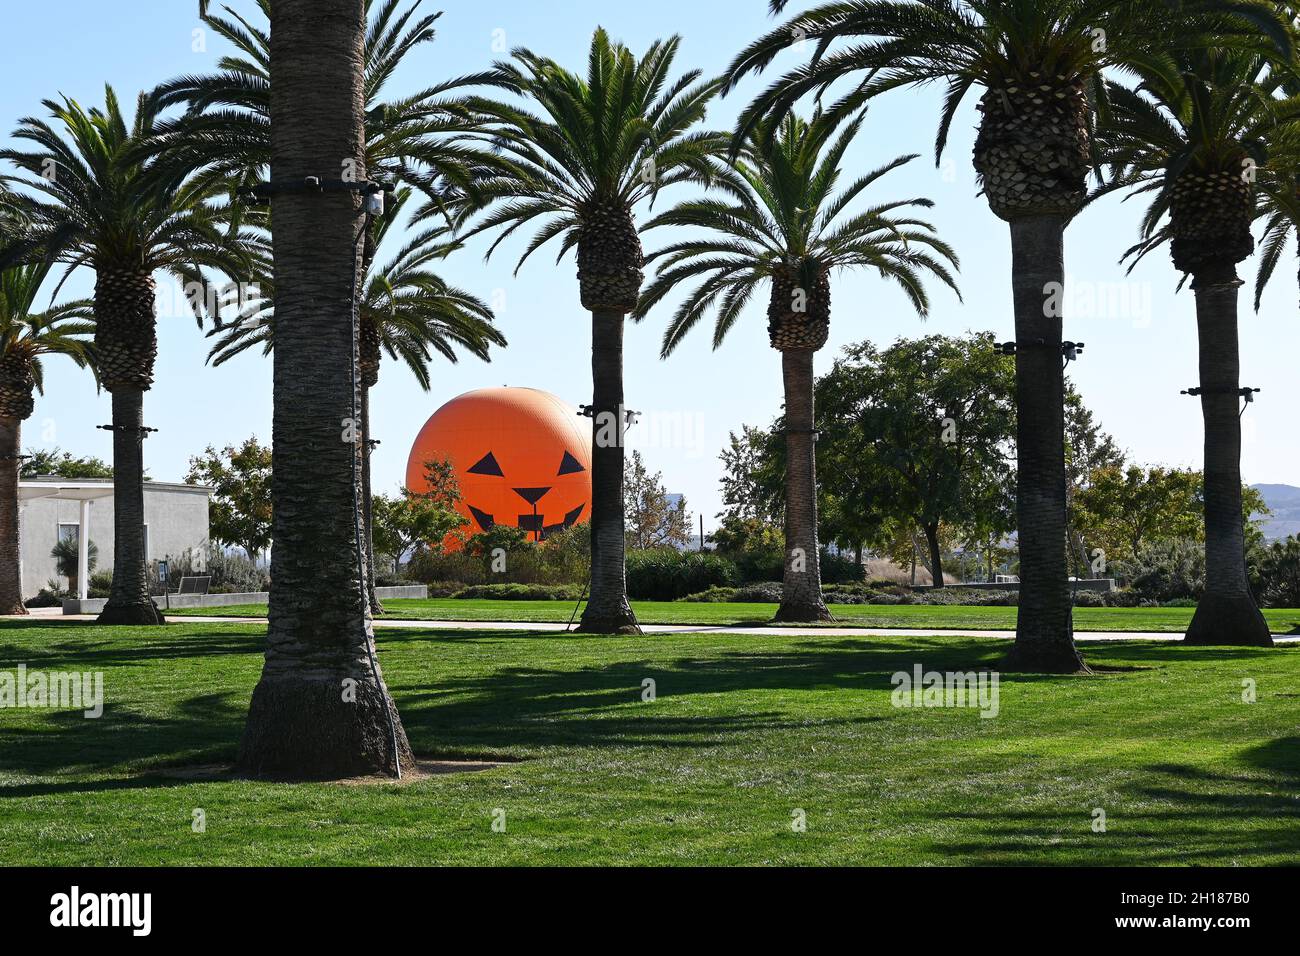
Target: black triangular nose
x=531 y=495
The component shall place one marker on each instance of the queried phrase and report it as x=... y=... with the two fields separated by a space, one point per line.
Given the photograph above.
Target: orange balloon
x=521 y=455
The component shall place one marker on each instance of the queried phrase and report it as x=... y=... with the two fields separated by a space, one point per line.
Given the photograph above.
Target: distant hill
x=1284 y=501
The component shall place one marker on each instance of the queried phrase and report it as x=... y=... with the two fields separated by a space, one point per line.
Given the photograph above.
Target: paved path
x=551 y=626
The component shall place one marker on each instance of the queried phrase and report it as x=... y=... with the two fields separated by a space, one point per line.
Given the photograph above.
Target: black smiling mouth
x=529 y=522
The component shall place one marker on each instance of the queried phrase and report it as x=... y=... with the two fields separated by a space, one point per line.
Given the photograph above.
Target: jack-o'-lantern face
x=533 y=507
x=521 y=456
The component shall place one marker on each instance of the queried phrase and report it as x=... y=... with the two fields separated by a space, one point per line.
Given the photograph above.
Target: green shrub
x=563 y=558
x=714 y=595
x=49 y=596
x=1164 y=570
x=443 y=589
x=665 y=574
x=1180 y=602
x=521 y=592
x=755 y=565
x=1084 y=598
x=838 y=569
x=1276 y=576
x=101 y=584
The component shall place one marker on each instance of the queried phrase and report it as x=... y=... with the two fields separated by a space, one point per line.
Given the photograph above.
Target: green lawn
x=745 y=730
x=1174 y=620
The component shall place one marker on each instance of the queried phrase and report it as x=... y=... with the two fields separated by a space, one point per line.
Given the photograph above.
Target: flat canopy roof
x=89 y=490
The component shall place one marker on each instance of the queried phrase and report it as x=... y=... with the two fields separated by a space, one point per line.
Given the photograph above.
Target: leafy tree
x=405 y=521
x=239 y=511
x=441 y=485
x=1121 y=509
x=921 y=433
x=653 y=520
x=751 y=487
x=63 y=464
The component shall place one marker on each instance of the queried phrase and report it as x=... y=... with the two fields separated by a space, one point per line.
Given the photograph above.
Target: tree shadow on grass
x=199 y=729
x=1200 y=819
x=598 y=706
x=82 y=645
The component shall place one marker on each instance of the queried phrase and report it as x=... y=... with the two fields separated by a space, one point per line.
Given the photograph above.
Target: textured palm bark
x=1227 y=614
x=1044 y=629
x=367 y=505
x=607 y=610
x=128 y=599
x=11 y=580
x=370 y=358
x=320 y=710
x=801 y=588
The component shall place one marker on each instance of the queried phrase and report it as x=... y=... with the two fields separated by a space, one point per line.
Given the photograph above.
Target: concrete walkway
x=552 y=627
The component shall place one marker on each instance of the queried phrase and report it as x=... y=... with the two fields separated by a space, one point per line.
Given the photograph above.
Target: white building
x=54 y=509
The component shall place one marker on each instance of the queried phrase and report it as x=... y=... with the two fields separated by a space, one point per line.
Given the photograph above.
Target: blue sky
x=1141 y=336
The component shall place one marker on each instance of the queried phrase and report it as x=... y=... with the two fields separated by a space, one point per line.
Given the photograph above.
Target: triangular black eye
x=569 y=465
x=487 y=465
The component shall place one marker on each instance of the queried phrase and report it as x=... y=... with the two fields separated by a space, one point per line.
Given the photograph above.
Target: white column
x=83 y=551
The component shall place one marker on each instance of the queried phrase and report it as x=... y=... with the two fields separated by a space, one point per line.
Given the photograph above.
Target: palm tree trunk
x=1227 y=614
x=11 y=579
x=367 y=505
x=321 y=708
x=936 y=554
x=1044 y=629
x=607 y=611
x=801 y=588
x=128 y=600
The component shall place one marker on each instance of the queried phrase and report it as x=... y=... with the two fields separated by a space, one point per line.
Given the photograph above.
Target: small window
x=69 y=531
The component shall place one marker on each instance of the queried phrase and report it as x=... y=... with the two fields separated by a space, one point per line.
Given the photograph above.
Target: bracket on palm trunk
x=144 y=430
x=1247 y=393
x=816 y=435
x=629 y=416
x=260 y=194
x=1070 y=350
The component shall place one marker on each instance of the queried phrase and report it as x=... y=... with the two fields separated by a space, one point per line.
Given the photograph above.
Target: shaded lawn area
x=744 y=731
x=1167 y=619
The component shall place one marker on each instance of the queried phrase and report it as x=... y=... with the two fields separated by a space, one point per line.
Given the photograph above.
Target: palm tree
x=1039 y=64
x=25 y=336
x=598 y=147
x=406 y=310
x=91 y=202
x=321 y=707
x=417 y=139
x=784 y=226
x=1191 y=136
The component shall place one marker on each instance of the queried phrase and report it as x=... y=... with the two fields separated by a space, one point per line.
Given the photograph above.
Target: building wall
x=176 y=515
